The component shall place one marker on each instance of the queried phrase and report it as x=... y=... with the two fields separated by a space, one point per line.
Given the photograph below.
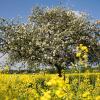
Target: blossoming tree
x=49 y=37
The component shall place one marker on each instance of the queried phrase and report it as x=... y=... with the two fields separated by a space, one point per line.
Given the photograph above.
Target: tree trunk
x=59 y=69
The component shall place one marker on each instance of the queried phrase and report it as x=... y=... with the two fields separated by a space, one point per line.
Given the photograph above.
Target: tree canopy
x=49 y=37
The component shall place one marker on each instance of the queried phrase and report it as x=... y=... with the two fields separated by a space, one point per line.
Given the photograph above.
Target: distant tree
x=50 y=37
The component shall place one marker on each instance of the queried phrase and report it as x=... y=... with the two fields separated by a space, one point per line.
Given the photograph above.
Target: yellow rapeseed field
x=83 y=86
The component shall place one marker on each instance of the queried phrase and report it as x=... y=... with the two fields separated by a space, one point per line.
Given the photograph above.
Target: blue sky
x=15 y=8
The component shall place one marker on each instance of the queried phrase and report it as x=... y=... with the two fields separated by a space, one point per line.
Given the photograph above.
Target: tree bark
x=59 y=69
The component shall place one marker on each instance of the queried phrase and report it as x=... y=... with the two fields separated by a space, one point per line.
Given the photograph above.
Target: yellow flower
x=46 y=96
x=15 y=99
x=84 y=48
x=51 y=82
x=80 y=45
x=60 y=82
x=87 y=93
x=60 y=93
x=6 y=98
x=85 y=56
x=81 y=62
x=98 y=98
x=78 y=54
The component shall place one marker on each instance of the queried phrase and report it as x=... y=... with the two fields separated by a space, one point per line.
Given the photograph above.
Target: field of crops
x=84 y=86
